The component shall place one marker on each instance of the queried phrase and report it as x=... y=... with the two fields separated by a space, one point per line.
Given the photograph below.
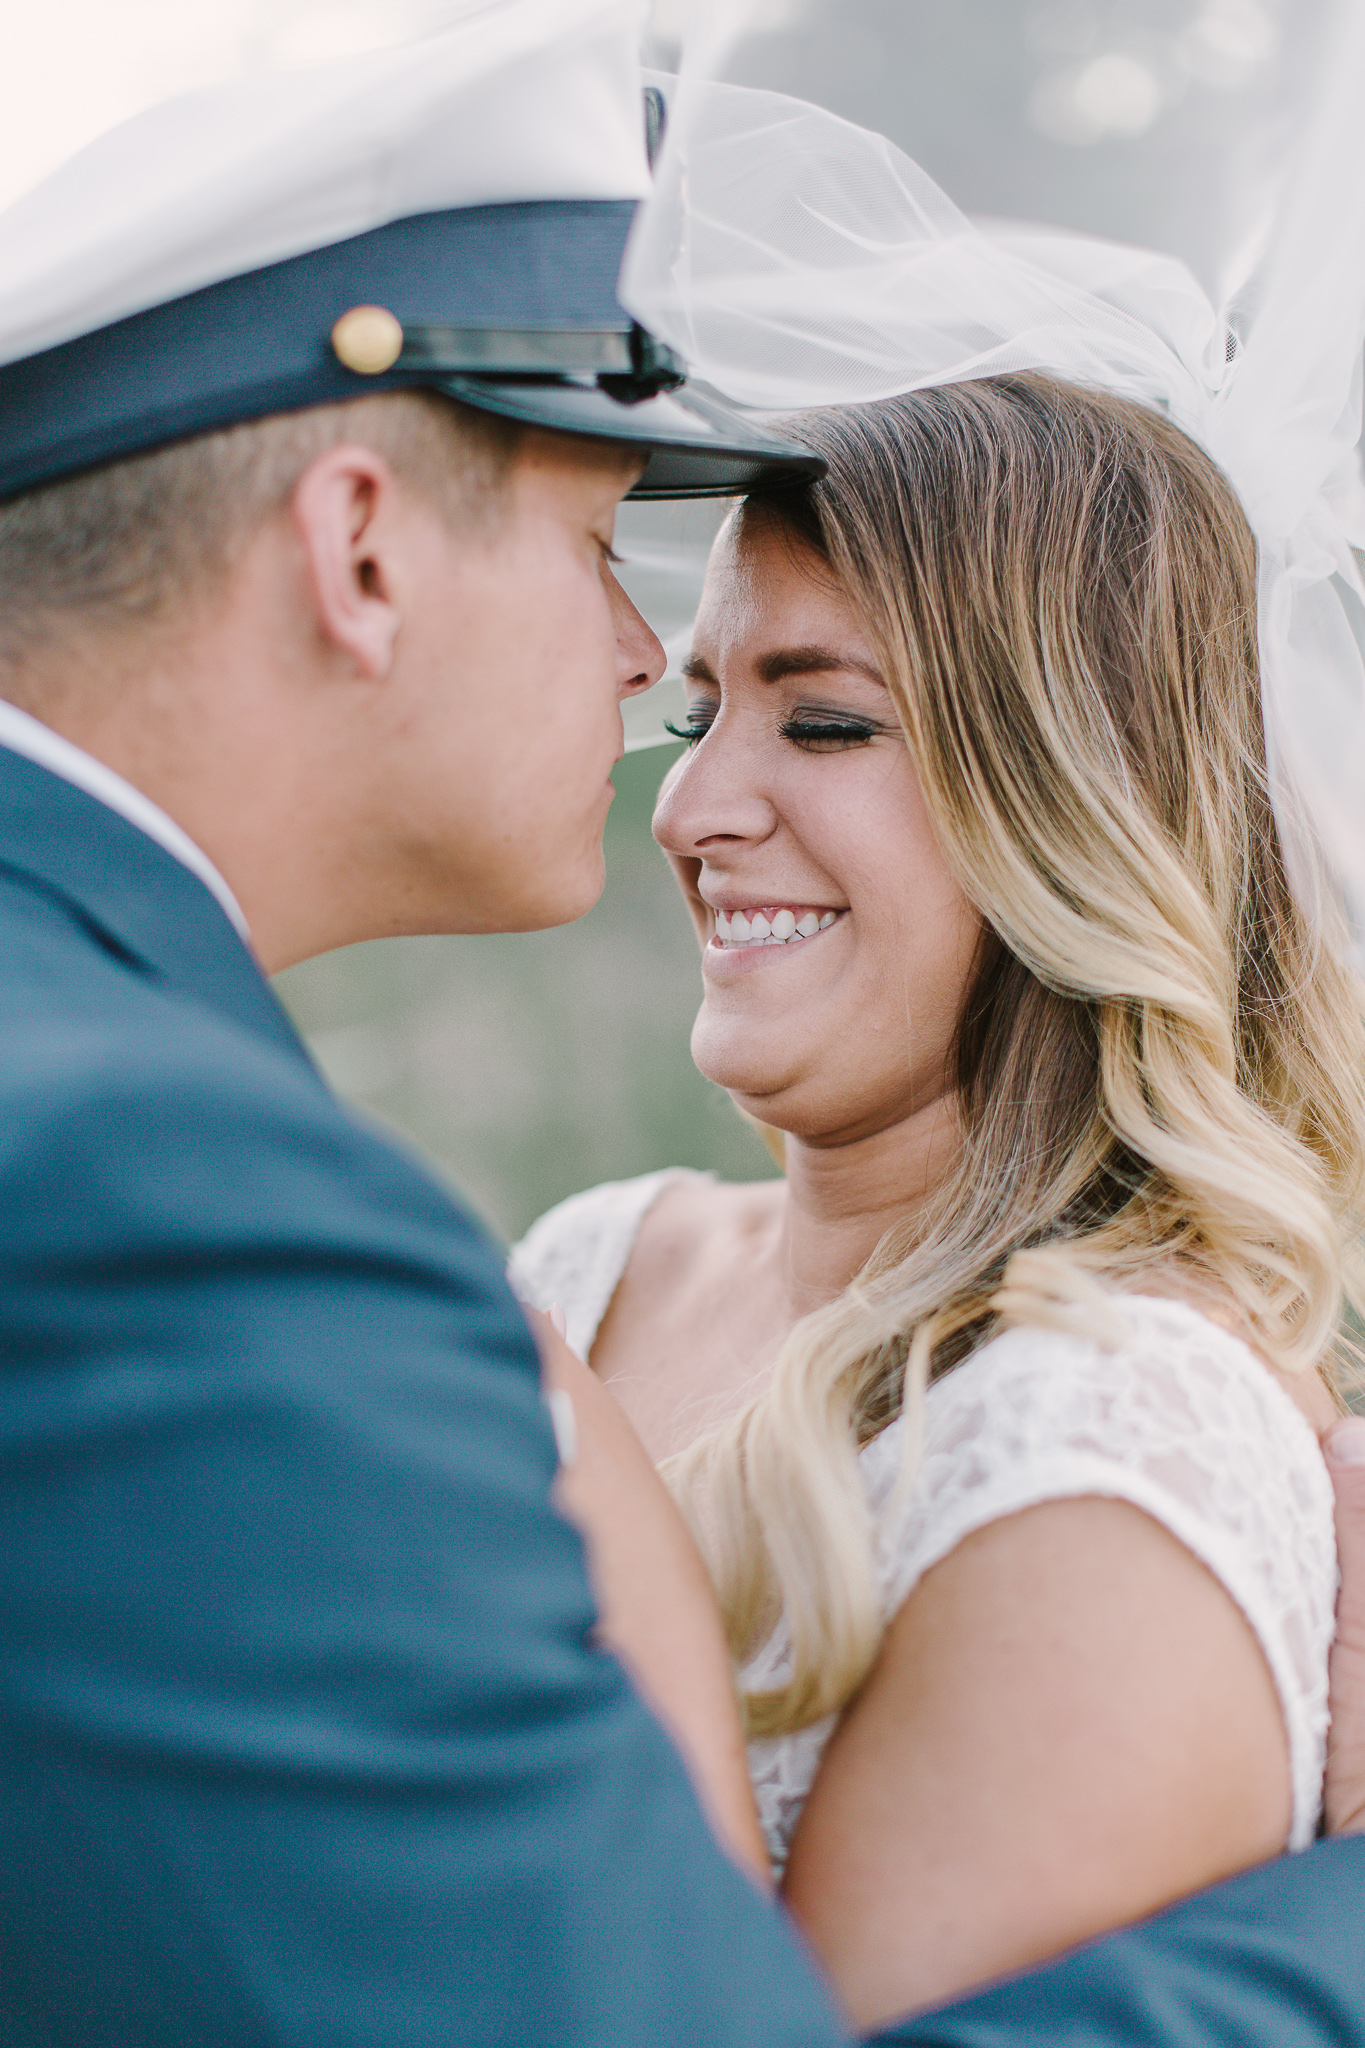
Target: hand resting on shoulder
x=1343 y=1797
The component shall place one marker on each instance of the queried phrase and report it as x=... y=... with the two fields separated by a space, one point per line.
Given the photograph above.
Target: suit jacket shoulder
x=304 y=1736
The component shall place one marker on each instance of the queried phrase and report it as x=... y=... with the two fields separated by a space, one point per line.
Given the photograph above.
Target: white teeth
x=740 y=928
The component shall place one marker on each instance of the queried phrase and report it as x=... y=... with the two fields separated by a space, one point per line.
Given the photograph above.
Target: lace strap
x=574 y=1255
x=1186 y=1424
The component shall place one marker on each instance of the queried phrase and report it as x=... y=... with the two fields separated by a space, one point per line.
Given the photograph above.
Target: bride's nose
x=711 y=798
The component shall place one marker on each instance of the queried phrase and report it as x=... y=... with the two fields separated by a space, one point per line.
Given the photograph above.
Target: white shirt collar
x=37 y=742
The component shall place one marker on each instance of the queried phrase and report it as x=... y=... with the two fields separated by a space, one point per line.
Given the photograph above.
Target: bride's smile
x=769 y=925
x=836 y=943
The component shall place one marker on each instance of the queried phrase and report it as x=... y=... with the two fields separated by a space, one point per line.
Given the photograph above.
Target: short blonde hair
x=1161 y=1063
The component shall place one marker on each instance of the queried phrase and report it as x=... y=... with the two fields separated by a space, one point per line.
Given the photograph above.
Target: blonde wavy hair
x=1160 y=1064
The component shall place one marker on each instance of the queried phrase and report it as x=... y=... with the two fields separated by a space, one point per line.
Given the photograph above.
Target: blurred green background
x=530 y=1065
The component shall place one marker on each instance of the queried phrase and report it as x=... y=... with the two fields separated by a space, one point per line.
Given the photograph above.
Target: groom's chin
x=556 y=898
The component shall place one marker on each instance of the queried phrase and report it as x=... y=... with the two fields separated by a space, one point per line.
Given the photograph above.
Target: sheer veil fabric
x=796 y=260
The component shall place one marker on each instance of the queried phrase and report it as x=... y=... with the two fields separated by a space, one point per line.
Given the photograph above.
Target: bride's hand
x=1344 y=1792
x=657 y=1609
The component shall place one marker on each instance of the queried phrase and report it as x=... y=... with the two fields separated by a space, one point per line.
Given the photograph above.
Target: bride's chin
x=746 y=1071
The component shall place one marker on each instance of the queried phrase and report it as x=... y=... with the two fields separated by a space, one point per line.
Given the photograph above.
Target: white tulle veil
x=798 y=261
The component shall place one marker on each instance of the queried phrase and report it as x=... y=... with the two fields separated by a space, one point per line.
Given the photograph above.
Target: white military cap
x=449 y=214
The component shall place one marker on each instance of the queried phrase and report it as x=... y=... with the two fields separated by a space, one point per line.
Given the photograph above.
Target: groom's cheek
x=560 y=746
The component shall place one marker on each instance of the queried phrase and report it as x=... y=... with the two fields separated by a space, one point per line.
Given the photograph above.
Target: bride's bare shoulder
x=684 y=1288
x=693 y=1319
x=698 y=1223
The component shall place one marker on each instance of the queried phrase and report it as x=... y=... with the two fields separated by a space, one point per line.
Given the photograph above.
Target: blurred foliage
x=527 y=1066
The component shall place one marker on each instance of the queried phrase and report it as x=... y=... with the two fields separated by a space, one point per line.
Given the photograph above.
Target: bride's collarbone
x=700 y=1311
x=704 y=1245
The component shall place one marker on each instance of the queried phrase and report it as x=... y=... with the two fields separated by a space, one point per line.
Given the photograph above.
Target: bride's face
x=797 y=816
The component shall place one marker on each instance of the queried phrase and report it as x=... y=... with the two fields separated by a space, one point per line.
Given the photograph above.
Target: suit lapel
x=137 y=897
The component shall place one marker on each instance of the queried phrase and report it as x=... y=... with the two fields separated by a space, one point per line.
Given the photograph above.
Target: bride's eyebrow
x=814 y=661
x=791 y=661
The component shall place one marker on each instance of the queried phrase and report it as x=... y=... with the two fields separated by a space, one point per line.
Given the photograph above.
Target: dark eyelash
x=697 y=726
x=804 y=731
x=814 y=731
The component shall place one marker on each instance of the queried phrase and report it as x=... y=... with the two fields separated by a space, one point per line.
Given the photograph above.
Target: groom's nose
x=640 y=657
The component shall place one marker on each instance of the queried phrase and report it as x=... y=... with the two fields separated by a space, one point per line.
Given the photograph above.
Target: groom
x=307 y=636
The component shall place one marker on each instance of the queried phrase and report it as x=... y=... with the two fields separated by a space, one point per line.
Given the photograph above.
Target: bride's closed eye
x=820 y=731
x=700 y=719
x=816 y=731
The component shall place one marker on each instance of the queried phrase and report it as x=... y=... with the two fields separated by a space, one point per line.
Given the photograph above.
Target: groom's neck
x=190 y=712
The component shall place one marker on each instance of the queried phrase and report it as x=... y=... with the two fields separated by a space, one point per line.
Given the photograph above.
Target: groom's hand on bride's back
x=1344 y=1792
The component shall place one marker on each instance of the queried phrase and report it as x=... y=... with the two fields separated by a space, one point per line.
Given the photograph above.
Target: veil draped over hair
x=796 y=260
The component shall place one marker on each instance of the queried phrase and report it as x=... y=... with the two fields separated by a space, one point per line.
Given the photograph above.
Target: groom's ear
x=348 y=513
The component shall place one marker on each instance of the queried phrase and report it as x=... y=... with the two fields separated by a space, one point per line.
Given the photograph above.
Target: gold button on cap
x=368 y=339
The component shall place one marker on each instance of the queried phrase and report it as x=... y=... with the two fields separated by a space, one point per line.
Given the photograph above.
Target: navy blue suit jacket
x=303 y=1738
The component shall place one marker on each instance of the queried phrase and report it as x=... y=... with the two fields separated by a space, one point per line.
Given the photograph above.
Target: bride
x=996 y=1418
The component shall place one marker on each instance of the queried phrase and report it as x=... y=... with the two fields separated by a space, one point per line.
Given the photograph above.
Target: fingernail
x=565 y=1425
x=1346 y=1444
x=558 y=1319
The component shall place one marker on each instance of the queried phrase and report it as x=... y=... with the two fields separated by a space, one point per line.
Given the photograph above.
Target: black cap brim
x=696 y=446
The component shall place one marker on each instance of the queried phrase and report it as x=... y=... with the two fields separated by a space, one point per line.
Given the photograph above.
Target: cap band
x=262 y=343
x=511 y=308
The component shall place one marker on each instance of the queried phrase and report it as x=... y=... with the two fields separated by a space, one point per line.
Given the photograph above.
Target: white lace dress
x=1182 y=1420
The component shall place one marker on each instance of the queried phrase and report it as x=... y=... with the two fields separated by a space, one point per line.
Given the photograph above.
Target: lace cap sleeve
x=1184 y=1422
x=574 y=1255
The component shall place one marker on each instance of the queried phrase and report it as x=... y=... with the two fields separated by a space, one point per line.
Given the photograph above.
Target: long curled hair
x=1160 y=1064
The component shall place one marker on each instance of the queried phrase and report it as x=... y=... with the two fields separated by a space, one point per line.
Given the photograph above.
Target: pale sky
x=74 y=68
